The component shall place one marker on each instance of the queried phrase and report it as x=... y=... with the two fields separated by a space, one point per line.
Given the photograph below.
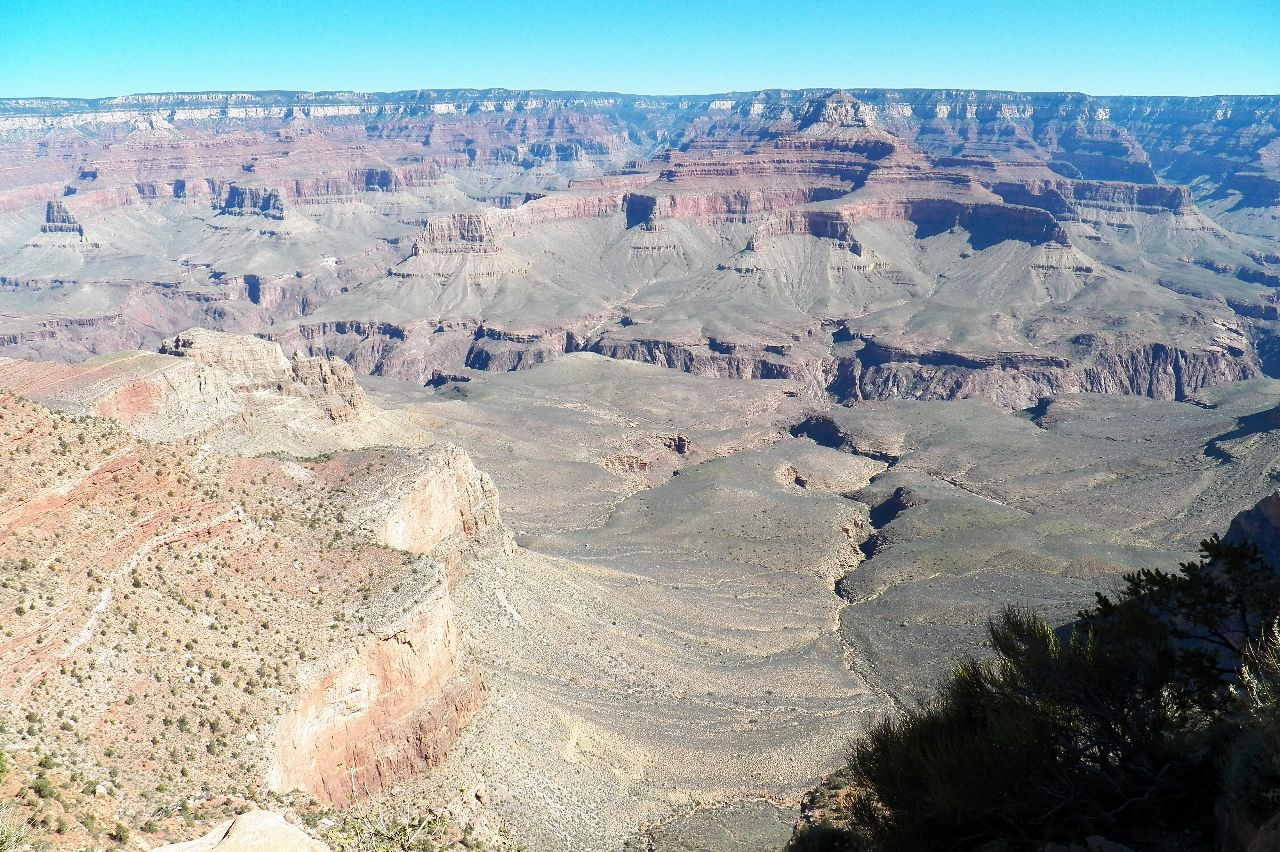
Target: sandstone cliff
x=360 y=682
x=401 y=231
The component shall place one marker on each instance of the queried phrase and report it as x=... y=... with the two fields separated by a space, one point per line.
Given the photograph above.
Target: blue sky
x=90 y=48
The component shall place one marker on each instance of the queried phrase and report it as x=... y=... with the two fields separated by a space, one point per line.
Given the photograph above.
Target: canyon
x=874 y=244
x=302 y=677
x=585 y=470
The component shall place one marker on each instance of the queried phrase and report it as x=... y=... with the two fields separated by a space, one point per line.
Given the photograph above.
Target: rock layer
x=430 y=232
x=382 y=712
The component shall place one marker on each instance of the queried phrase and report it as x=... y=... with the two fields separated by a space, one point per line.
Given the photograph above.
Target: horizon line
x=570 y=92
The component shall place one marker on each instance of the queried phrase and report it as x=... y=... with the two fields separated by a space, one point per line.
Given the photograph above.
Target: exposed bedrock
x=389 y=707
x=58 y=220
x=385 y=710
x=369 y=347
x=1019 y=380
x=349 y=186
x=987 y=224
x=248 y=364
x=881 y=372
x=1064 y=198
x=645 y=209
x=574 y=204
x=1103 y=165
x=712 y=357
x=462 y=232
x=825 y=224
x=875 y=371
x=481 y=231
x=231 y=199
x=1012 y=379
x=438 y=504
x=497 y=350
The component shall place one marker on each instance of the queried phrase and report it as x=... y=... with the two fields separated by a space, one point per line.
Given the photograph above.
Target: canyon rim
x=483 y=468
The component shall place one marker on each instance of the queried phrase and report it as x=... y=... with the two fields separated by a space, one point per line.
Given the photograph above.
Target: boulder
x=255 y=831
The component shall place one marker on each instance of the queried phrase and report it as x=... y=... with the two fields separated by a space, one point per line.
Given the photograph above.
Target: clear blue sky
x=91 y=48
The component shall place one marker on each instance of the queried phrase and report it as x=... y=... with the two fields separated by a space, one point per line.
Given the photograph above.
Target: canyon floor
x=711 y=625
x=700 y=590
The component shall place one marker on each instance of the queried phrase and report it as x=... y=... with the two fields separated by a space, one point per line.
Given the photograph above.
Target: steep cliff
x=348 y=562
x=424 y=232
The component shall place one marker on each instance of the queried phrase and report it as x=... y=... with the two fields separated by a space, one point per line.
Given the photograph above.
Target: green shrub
x=1116 y=725
x=13 y=831
x=43 y=788
x=1252 y=765
x=1210 y=608
x=1055 y=738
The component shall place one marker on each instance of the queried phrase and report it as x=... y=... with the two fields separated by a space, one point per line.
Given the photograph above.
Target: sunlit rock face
x=874 y=244
x=368 y=684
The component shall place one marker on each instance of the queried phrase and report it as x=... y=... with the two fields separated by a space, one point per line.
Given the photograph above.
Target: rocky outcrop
x=1019 y=380
x=390 y=706
x=438 y=499
x=384 y=710
x=987 y=223
x=573 y=204
x=254 y=831
x=462 y=232
x=716 y=358
x=824 y=224
x=235 y=200
x=501 y=350
x=350 y=185
x=480 y=232
x=1065 y=199
x=58 y=220
x=251 y=364
x=646 y=209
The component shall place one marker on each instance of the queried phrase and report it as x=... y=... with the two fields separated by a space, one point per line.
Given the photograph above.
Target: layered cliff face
x=295 y=614
x=234 y=391
x=381 y=712
x=388 y=708
x=416 y=234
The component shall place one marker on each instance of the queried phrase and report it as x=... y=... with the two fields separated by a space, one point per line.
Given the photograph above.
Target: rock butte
x=872 y=244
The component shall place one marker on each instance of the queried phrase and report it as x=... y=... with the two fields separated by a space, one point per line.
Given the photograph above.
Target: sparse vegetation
x=120 y=834
x=1112 y=726
x=13 y=830
x=43 y=788
x=367 y=831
